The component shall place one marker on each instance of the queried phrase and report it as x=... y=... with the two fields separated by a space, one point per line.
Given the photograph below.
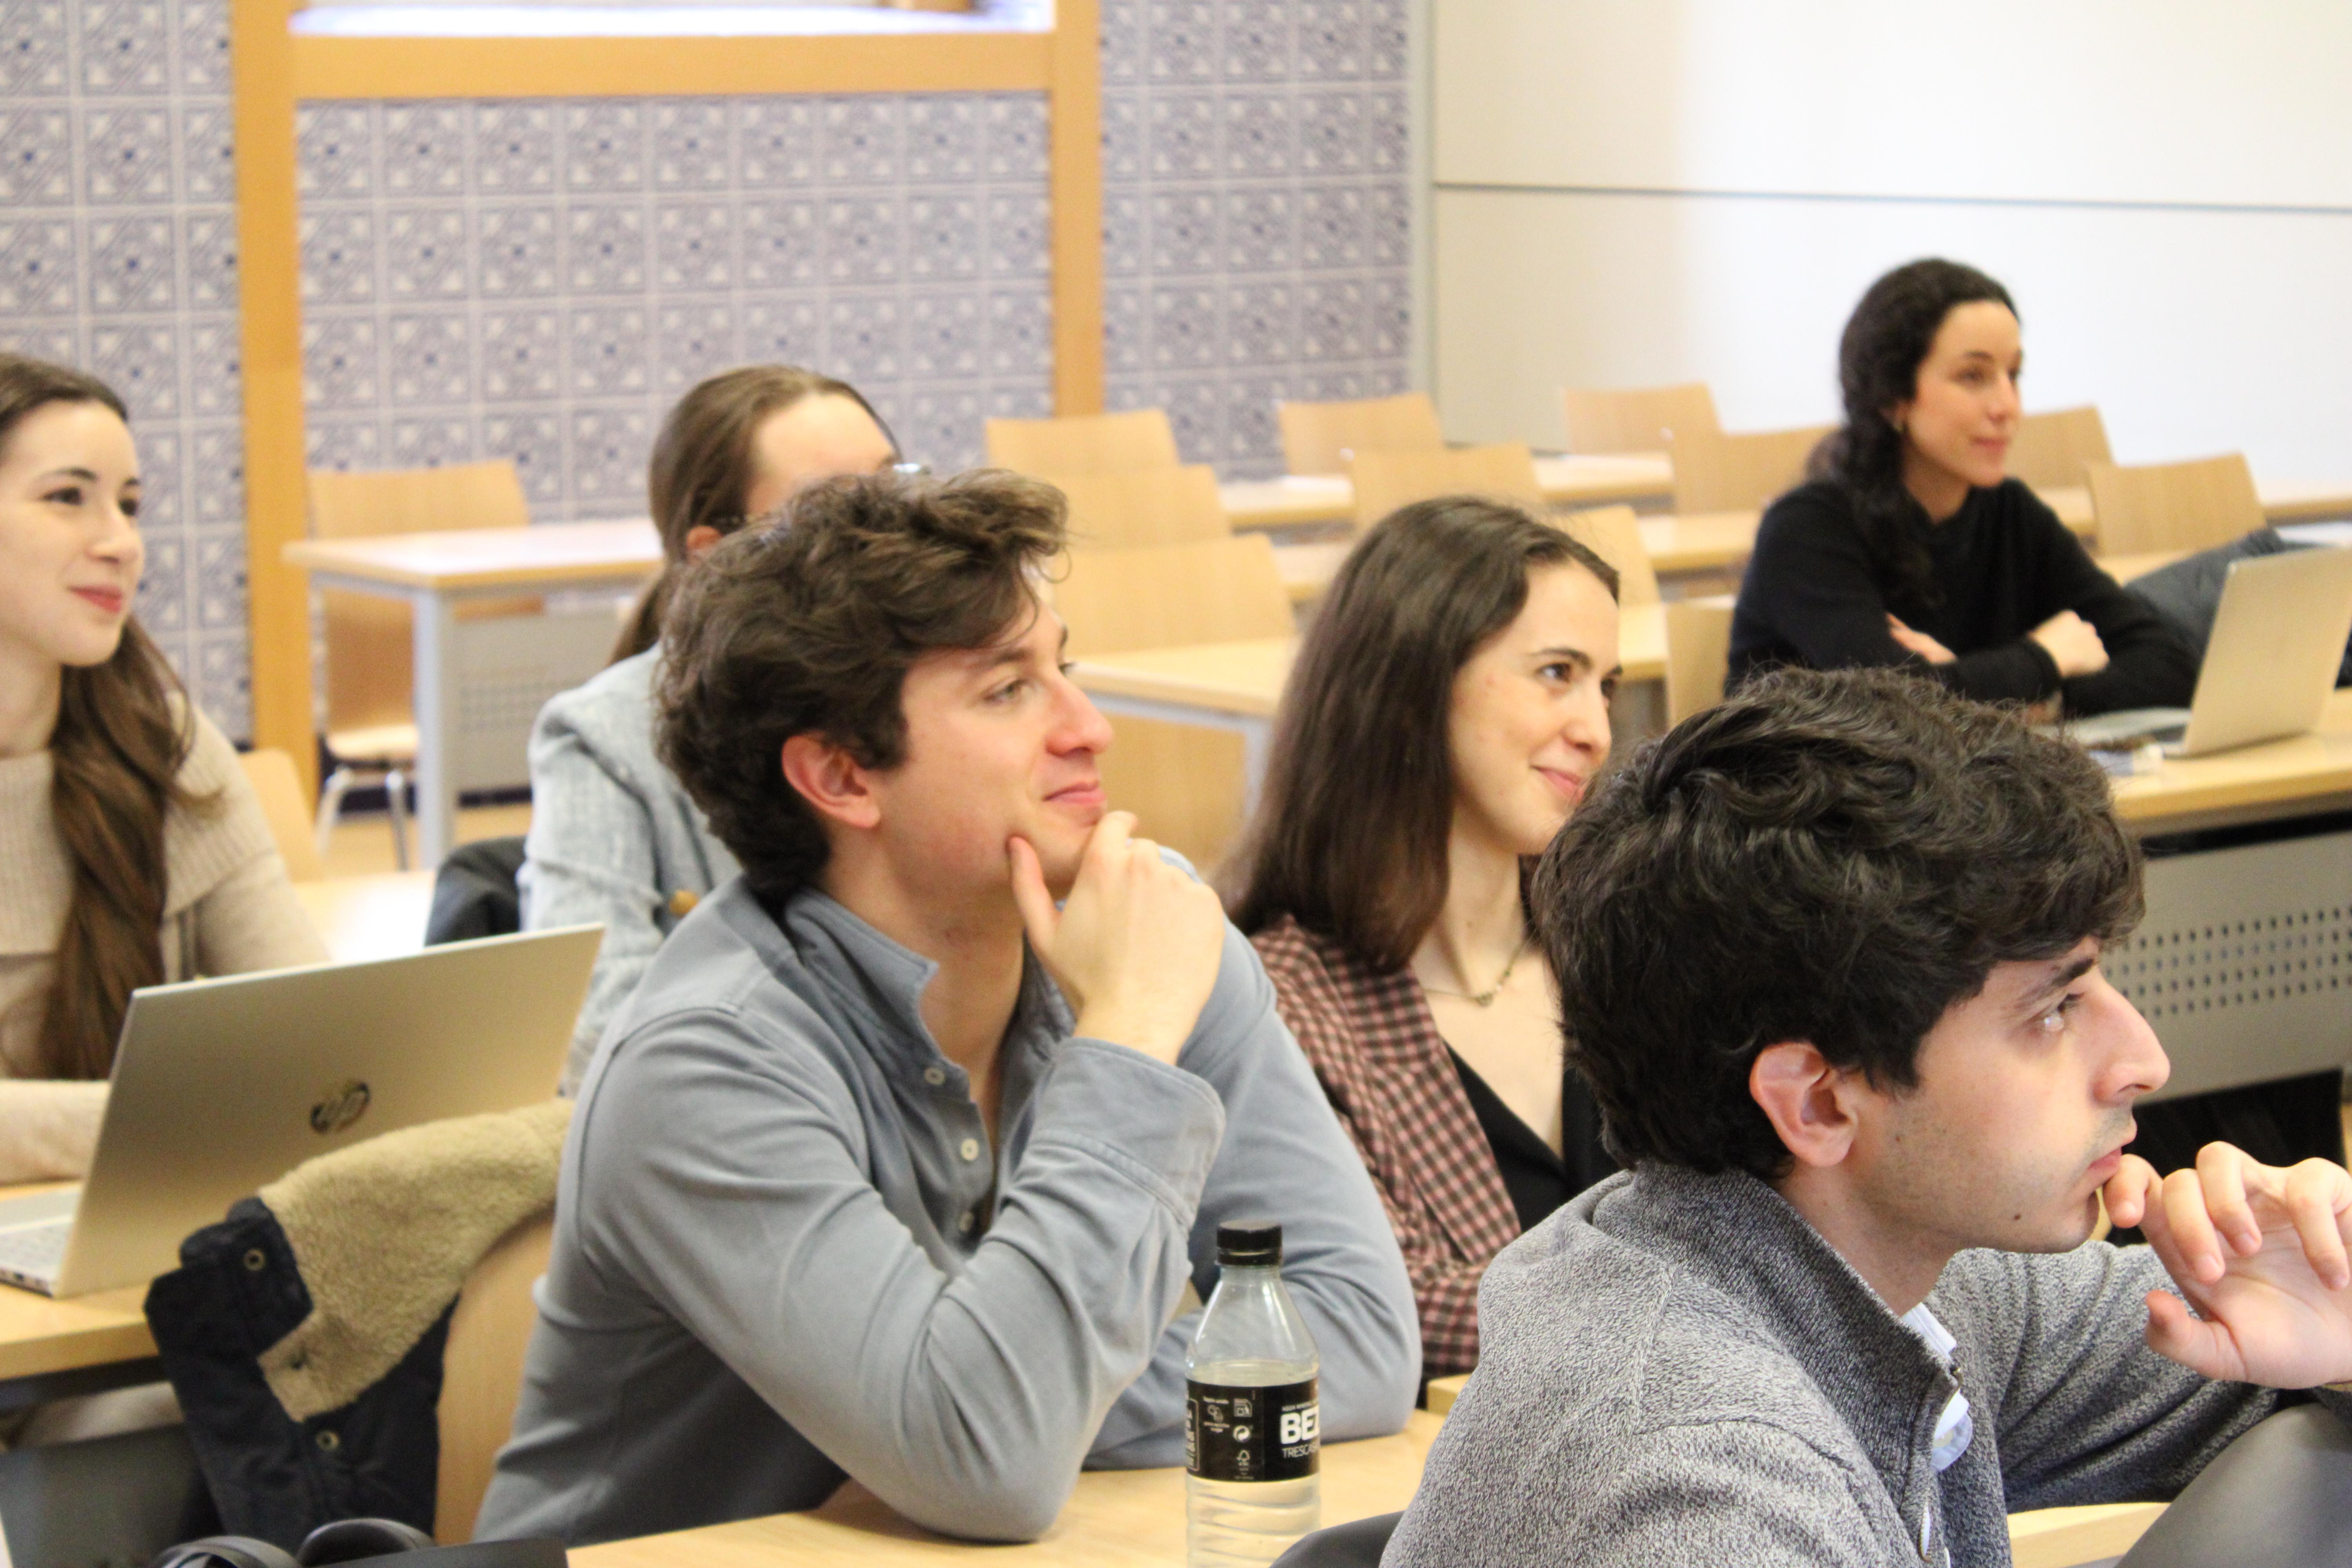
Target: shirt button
x=964 y=1223
x=971 y=1149
x=935 y=1076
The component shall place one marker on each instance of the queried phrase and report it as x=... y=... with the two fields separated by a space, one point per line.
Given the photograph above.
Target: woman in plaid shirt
x=1449 y=707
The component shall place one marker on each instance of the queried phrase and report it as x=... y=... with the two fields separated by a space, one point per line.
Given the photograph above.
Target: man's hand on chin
x=2261 y=1254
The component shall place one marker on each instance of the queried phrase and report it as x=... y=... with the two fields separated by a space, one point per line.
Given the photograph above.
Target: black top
x=2003 y=564
x=1538 y=1180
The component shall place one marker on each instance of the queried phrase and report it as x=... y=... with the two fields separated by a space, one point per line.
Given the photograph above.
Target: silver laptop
x=2278 y=640
x=222 y=1086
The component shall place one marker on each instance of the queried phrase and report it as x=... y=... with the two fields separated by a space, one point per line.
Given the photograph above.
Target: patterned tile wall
x=117 y=252
x=541 y=279
x=1257 y=214
x=537 y=280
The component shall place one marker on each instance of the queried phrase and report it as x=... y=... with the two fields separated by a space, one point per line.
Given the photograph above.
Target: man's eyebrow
x=2061 y=975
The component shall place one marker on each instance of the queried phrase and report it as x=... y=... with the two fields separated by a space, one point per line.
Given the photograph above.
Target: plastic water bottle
x=1252 y=1428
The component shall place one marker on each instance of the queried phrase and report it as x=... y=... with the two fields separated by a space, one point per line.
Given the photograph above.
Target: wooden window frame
x=275 y=68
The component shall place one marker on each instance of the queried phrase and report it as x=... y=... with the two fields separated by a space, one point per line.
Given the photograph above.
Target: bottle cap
x=1249 y=1243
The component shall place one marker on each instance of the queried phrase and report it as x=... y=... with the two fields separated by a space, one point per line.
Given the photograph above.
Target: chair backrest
x=1641 y=419
x=1084 y=443
x=1317 y=438
x=481 y=1374
x=1143 y=506
x=2051 y=450
x=2174 y=506
x=287 y=808
x=1184 y=784
x=368 y=651
x=1743 y=472
x=1614 y=533
x=1355 y=1544
x=1387 y=480
x=1166 y=596
x=1698 y=655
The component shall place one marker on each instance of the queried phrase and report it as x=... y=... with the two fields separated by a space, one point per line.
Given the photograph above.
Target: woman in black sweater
x=1907 y=545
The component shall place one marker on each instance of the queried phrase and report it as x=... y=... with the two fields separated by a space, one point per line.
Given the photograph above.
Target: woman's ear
x=699 y=539
x=1896 y=415
x=831 y=780
x=1808 y=1100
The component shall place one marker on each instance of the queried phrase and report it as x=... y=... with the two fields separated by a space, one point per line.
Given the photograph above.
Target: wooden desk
x=1238 y=685
x=432 y=571
x=1116 y=1519
x=382 y=916
x=1297 y=499
x=50 y=1350
x=2303 y=776
x=1135 y=1519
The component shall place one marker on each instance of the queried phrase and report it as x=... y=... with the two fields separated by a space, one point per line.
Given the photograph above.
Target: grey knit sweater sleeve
x=614 y=838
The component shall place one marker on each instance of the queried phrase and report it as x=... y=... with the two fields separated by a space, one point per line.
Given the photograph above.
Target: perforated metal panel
x=507 y=667
x=2243 y=965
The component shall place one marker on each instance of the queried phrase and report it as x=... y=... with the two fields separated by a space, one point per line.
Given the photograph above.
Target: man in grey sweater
x=1828 y=955
x=891 y=1169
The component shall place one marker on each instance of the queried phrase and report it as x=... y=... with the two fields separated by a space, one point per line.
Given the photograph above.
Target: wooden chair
x=1744 y=472
x=1184 y=782
x=1387 y=480
x=1698 y=655
x=1143 y=506
x=2051 y=450
x=1614 y=533
x=1318 y=437
x=371 y=712
x=481 y=1374
x=287 y=810
x=1084 y=443
x=2174 y=506
x=1643 y=419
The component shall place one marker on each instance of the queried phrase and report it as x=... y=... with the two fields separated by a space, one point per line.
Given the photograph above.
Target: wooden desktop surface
x=38 y=1335
x=1245 y=678
x=1115 y=1518
x=378 y=916
x=2294 y=777
x=571 y=553
x=1135 y=1519
x=1294 y=499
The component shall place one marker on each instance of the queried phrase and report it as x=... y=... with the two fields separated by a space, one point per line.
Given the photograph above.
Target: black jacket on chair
x=236 y=1293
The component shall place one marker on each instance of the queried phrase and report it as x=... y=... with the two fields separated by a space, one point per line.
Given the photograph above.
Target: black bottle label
x=1270 y=1434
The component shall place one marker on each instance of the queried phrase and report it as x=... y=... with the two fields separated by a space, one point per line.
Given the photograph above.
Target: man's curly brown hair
x=810 y=626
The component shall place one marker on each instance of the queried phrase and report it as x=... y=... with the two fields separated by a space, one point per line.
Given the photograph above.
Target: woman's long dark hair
x=1886 y=342
x=703 y=466
x=1349 y=838
x=117 y=751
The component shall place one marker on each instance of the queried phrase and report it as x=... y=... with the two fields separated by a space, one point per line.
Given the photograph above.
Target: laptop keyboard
x=35 y=1251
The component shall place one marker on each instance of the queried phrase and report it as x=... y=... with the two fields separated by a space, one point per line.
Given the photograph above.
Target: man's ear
x=831 y=780
x=1811 y=1103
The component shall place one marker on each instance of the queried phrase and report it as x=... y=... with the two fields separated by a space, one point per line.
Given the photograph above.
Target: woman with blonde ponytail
x=614 y=838
x=132 y=851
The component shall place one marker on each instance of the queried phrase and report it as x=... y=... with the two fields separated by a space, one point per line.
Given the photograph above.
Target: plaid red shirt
x=1388 y=1074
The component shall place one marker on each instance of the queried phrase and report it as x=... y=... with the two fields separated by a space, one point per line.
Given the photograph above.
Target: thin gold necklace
x=1484 y=998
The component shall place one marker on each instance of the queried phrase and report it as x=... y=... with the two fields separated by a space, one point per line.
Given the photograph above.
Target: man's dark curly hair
x=1836 y=857
x=810 y=626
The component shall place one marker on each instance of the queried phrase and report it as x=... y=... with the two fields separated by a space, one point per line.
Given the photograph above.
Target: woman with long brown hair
x=1449 y=707
x=132 y=850
x=613 y=836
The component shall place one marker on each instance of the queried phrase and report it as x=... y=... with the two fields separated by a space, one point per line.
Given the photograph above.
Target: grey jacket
x=613 y=836
x=784 y=1250
x=1678 y=1369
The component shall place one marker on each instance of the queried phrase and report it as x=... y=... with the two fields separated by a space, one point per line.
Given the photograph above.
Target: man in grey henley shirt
x=862 y=1182
x=1828 y=955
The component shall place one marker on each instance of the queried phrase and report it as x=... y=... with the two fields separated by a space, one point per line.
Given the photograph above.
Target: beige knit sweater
x=229 y=908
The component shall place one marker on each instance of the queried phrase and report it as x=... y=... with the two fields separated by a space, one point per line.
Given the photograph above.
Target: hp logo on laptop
x=342 y=1105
